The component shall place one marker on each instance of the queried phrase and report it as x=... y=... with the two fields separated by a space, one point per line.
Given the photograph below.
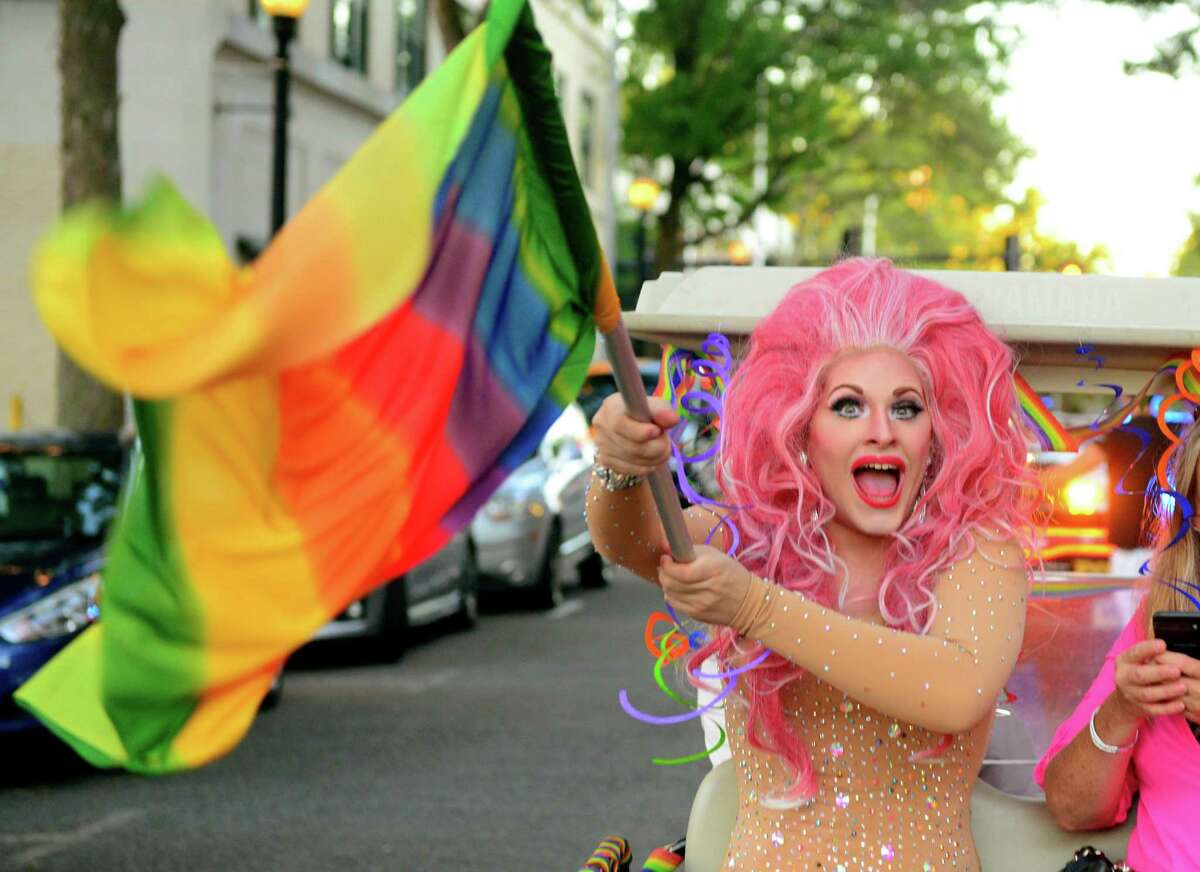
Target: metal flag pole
x=629 y=382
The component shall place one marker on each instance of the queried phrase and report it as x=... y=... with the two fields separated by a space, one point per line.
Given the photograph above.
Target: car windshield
x=54 y=495
x=599 y=387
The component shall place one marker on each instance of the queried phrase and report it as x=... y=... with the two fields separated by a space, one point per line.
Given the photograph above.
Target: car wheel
x=468 y=591
x=547 y=592
x=591 y=572
x=390 y=642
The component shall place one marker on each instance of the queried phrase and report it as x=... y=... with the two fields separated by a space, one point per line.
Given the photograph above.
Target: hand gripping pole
x=629 y=382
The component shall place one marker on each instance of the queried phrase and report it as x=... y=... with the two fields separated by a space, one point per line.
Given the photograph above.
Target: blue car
x=58 y=496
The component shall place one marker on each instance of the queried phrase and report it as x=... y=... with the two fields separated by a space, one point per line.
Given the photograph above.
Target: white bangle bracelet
x=1103 y=745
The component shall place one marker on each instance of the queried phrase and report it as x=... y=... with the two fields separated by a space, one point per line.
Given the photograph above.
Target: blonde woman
x=1135 y=731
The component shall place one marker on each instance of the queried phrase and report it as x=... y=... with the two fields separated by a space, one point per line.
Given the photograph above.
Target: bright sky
x=1116 y=154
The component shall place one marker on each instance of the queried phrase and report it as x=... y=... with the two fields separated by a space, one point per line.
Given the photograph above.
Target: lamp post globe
x=643 y=193
x=285 y=8
x=283 y=19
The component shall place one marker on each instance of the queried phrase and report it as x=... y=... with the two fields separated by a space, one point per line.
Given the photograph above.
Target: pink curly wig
x=978 y=484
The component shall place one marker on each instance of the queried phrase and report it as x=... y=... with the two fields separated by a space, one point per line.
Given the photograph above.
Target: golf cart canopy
x=1132 y=325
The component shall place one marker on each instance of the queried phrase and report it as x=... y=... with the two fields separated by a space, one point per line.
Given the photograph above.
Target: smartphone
x=1180 y=630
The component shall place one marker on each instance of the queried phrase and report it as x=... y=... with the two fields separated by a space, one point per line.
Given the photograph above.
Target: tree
x=454 y=22
x=1177 y=54
x=849 y=94
x=89 y=31
x=1187 y=262
x=926 y=225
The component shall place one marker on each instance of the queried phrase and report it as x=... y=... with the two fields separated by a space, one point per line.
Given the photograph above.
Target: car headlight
x=502 y=506
x=62 y=613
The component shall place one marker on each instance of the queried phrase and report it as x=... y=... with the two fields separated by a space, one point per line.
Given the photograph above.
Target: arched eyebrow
x=900 y=391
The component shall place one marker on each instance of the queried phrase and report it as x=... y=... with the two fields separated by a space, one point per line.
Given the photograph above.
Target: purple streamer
x=715 y=365
x=1086 y=351
x=662 y=720
x=1186 y=524
x=1117 y=391
x=735 y=535
x=1195 y=602
x=1145 y=438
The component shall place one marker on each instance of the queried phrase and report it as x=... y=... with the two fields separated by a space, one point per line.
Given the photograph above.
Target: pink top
x=1164 y=771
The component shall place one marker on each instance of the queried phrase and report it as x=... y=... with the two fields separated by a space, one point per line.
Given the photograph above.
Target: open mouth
x=877 y=480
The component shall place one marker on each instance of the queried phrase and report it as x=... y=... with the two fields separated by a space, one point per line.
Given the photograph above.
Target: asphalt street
x=502 y=748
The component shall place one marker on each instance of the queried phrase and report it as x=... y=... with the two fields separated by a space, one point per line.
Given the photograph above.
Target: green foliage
x=853 y=96
x=932 y=226
x=1187 y=262
x=1178 y=53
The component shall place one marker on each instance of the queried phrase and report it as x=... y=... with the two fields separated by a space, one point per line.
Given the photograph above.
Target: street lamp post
x=283 y=19
x=643 y=194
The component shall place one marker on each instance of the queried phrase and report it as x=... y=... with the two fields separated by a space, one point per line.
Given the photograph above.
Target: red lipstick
x=884 y=463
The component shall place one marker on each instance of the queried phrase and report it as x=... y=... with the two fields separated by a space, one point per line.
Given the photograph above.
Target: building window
x=257 y=14
x=348 y=33
x=410 y=44
x=587 y=124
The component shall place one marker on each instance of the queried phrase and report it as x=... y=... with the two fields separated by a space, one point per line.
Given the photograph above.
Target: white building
x=196 y=92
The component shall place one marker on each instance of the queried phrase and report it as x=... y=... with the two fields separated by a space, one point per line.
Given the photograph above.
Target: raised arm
x=622 y=519
x=946 y=680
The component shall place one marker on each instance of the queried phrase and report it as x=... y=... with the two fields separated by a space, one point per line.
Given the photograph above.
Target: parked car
x=443 y=587
x=532 y=533
x=600 y=383
x=58 y=496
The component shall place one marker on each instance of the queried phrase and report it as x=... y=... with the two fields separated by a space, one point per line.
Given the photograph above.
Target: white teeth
x=881 y=467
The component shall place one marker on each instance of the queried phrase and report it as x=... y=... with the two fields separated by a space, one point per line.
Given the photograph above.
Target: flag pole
x=619 y=350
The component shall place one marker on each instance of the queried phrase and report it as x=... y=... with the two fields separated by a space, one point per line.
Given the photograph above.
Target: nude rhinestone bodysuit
x=874 y=809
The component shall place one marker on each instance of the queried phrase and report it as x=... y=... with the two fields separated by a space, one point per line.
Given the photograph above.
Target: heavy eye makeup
x=851 y=406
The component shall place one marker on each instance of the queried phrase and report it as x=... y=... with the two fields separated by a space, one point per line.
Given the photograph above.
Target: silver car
x=441 y=587
x=531 y=534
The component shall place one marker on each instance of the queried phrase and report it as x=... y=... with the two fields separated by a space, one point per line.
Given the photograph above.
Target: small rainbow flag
x=319 y=422
x=1050 y=431
x=662 y=860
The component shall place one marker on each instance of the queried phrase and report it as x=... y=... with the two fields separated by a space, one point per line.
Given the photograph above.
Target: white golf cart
x=1127 y=328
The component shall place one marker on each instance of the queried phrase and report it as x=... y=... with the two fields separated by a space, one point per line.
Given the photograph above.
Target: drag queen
x=871 y=438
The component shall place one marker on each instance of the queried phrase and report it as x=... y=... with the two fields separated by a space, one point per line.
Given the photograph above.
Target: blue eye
x=906 y=410
x=847 y=407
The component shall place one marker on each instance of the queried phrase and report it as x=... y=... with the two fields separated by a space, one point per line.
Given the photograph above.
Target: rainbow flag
x=662 y=860
x=1050 y=431
x=317 y=423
